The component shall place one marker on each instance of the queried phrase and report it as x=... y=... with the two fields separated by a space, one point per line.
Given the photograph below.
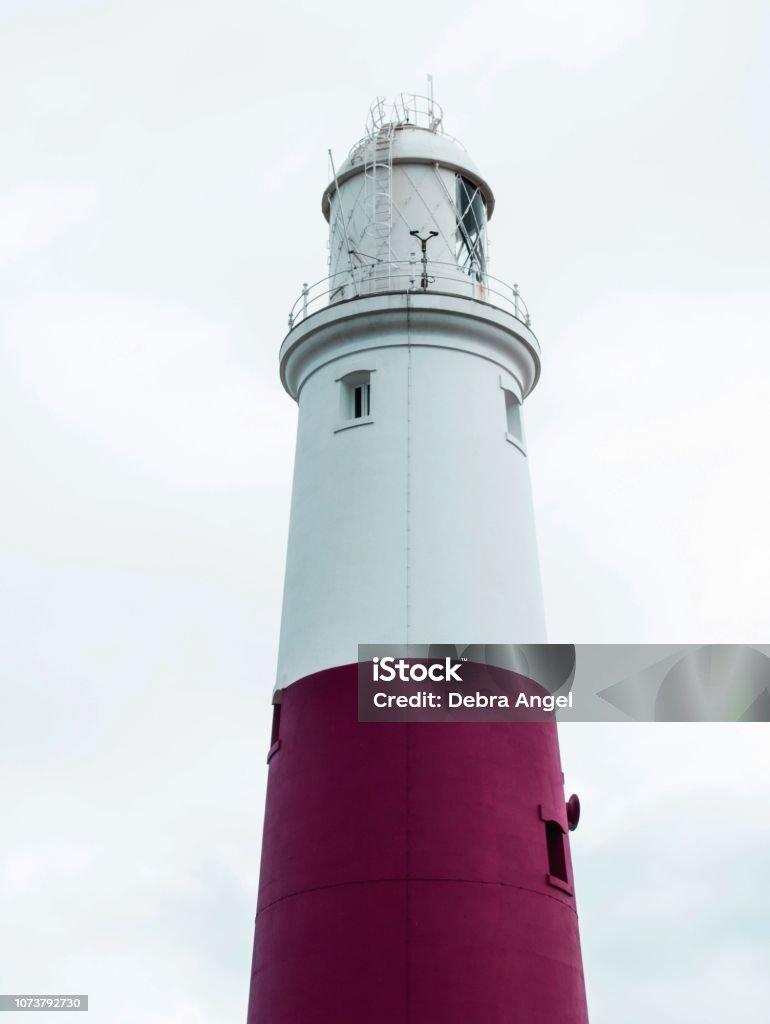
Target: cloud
x=154 y=384
x=135 y=880
x=31 y=865
x=34 y=216
x=658 y=498
x=673 y=836
x=493 y=36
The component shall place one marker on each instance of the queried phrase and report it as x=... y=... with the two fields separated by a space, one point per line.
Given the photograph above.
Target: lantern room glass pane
x=471 y=222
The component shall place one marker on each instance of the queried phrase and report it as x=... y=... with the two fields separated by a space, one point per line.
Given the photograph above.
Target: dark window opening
x=361 y=401
x=471 y=219
x=356 y=396
x=557 y=857
x=276 y=730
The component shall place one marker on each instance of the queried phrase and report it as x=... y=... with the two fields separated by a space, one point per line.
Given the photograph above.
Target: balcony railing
x=408 y=276
x=408 y=108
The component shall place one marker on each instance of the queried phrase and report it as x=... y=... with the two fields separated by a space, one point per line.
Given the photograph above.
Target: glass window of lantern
x=471 y=221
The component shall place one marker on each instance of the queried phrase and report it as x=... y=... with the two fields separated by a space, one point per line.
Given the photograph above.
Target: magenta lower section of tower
x=408 y=871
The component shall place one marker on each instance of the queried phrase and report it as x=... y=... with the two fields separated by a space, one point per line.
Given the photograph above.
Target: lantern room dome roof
x=411 y=142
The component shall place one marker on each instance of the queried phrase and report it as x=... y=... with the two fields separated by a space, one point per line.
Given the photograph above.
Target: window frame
x=355 y=399
x=555 y=836
x=514 y=426
x=471 y=228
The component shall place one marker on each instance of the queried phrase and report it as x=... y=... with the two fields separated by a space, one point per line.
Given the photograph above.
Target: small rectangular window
x=514 y=429
x=512 y=414
x=557 y=858
x=275 y=733
x=355 y=398
x=361 y=401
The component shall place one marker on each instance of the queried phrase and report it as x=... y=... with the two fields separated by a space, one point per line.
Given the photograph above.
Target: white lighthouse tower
x=412 y=872
x=411 y=516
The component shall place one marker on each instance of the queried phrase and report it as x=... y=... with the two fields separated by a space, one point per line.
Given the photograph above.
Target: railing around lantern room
x=408 y=276
x=408 y=108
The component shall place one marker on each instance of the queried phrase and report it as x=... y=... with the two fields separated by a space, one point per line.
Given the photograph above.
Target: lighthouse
x=412 y=872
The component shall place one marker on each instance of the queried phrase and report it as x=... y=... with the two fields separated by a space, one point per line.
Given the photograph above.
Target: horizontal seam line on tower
x=418 y=878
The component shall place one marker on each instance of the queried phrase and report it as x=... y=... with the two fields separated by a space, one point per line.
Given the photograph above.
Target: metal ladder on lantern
x=378 y=174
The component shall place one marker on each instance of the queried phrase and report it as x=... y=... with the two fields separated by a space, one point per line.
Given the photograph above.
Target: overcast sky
x=161 y=169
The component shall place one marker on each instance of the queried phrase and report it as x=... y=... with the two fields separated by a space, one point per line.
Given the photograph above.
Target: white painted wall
x=416 y=526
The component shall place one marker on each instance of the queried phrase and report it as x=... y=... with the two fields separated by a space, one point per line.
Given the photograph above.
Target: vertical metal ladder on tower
x=378 y=172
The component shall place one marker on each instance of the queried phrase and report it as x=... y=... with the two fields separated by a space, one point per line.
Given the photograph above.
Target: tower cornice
x=398 y=319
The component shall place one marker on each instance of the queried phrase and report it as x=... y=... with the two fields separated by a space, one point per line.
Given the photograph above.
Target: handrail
x=378 y=278
x=408 y=108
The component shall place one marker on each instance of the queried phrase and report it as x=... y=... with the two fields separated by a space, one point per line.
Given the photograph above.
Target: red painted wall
x=405 y=872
